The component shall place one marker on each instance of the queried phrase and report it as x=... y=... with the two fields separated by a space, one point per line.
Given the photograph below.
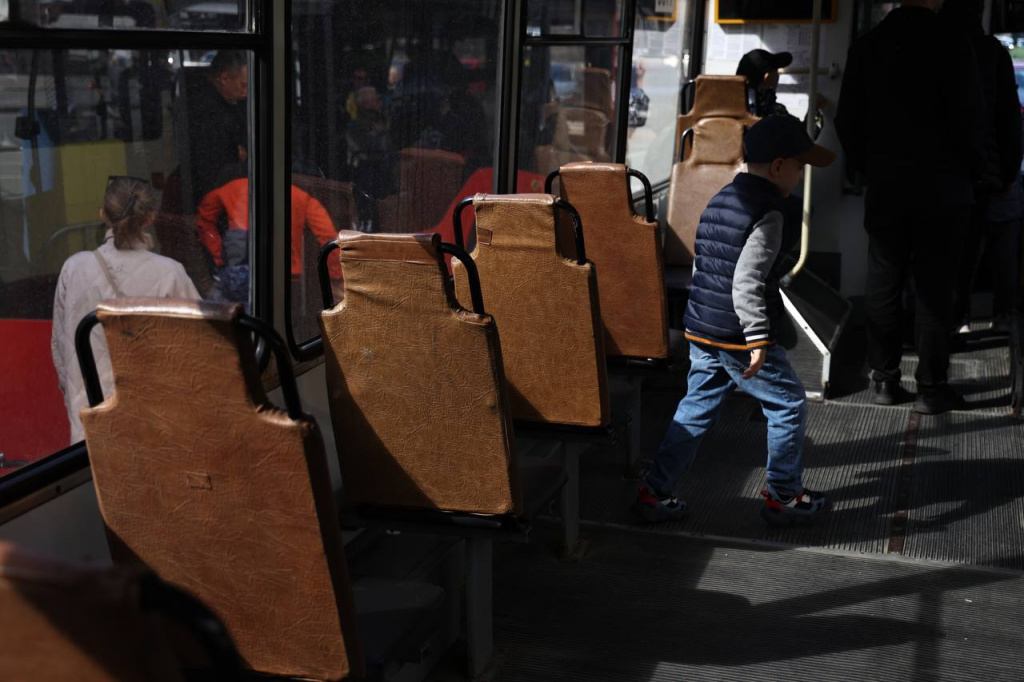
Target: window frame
x=54 y=474
x=624 y=59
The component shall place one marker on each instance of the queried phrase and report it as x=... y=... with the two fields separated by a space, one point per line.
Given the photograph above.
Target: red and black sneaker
x=653 y=508
x=794 y=510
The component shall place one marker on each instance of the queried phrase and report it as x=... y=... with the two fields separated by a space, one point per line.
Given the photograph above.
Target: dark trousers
x=923 y=243
x=974 y=239
x=1001 y=241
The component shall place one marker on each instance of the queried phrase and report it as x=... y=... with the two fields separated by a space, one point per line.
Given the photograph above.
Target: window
x=189 y=15
x=393 y=120
x=159 y=140
x=568 y=106
x=573 y=64
x=662 y=62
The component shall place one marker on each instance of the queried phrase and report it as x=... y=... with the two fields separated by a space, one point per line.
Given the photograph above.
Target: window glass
x=661 y=64
x=160 y=146
x=568 y=105
x=130 y=14
x=587 y=18
x=393 y=121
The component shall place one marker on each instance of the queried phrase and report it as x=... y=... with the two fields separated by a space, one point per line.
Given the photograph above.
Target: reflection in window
x=105 y=158
x=128 y=14
x=661 y=64
x=393 y=120
x=568 y=106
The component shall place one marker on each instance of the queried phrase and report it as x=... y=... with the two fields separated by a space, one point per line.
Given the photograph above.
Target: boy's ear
x=777 y=166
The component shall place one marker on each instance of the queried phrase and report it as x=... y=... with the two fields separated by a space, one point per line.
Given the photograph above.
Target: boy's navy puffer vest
x=724 y=228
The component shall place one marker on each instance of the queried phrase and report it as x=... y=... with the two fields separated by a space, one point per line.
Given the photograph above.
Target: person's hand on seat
x=757 y=356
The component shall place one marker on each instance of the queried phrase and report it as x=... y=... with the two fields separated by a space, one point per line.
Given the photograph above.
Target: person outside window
x=229 y=250
x=123 y=266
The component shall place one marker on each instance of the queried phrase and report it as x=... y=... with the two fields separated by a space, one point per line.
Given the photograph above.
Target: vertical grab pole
x=812 y=101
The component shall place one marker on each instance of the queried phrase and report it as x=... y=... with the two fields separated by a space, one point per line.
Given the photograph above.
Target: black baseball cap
x=783 y=137
x=756 y=63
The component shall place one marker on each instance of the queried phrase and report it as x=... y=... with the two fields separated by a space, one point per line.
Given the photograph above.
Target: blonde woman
x=122 y=266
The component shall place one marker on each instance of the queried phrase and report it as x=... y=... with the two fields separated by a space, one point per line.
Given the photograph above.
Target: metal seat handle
x=263 y=331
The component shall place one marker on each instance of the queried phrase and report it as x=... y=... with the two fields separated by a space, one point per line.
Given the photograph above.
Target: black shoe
x=890 y=392
x=939 y=400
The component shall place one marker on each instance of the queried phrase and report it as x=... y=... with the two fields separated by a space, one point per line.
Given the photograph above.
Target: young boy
x=730 y=323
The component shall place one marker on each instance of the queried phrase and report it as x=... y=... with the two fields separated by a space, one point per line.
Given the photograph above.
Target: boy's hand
x=757 y=356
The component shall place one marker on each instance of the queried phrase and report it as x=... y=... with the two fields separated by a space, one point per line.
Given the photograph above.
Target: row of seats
x=204 y=481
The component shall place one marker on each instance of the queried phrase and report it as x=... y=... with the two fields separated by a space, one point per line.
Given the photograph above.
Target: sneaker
x=654 y=509
x=797 y=510
x=890 y=392
x=937 y=401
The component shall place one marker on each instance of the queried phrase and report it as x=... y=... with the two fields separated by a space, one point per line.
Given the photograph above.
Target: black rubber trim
x=40 y=475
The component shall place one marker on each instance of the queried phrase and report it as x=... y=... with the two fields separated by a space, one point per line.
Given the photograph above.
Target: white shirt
x=81 y=287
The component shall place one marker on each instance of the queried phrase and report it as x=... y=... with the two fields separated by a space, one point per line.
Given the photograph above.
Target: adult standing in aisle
x=998 y=187
x=911 y=120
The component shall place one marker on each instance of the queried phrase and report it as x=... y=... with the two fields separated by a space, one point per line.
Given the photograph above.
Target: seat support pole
x=479 y=604
x=570 y=497
x=635 y=425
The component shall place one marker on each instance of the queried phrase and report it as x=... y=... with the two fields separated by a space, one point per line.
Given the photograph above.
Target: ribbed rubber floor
x=980 y=371
x=852 y=451
x=967 y=497
x=649 y=607
x=963 y=495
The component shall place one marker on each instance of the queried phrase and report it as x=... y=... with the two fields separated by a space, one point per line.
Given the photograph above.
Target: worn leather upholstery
x=626 y=251
x=546 y=307
x=712 y=158
x=63 y=621
x=205 y=482
x=415 y=384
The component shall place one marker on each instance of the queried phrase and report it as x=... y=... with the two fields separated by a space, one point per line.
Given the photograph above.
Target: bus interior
x=399 y=439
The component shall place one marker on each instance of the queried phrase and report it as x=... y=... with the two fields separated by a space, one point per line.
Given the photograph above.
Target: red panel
x=33 y=420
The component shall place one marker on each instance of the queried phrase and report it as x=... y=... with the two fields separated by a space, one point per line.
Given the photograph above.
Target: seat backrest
x=415 y=384
x=712 y=156
x=204 y=481
x=546 y=307
x=64 y=621
x=626 y=251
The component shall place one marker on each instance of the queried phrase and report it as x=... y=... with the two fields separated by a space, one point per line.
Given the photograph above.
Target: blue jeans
x=714 y=373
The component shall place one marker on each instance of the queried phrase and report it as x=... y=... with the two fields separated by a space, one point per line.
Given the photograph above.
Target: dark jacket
x=216 y=129
x=911 y=112
x=1003 y=130
x=725 y=226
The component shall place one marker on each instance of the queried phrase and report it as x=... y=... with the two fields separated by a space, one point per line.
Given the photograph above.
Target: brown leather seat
x=712 y=156
x=415 y=382
x=68 y=621
x=204 y=481
x=546 y=307
x=626 y=250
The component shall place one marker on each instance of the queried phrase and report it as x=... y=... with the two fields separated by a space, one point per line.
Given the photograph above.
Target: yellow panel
x=84 y=169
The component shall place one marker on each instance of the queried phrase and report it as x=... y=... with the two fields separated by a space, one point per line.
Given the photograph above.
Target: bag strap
x=106 y=271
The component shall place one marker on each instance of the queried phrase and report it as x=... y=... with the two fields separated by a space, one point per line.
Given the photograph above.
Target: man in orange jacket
x=230 y=250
